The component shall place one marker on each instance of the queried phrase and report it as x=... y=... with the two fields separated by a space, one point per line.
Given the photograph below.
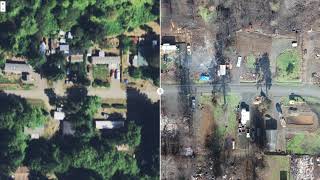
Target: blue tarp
x=204 y=77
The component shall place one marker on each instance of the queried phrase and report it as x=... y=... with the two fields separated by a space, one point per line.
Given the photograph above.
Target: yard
x=278 y=167
x=101 y=72
x=304 y=143
x=288 y=66
x=101 y=76
x=221 y=111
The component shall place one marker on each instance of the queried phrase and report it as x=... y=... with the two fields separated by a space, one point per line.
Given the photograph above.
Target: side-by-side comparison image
x=159 y=90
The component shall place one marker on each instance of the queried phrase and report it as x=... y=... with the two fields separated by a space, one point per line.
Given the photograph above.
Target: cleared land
x=278 y=167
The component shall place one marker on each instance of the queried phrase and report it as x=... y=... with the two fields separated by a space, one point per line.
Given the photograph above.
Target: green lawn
x=288 y=66
x=226 y=111
x=101 y=72
x=206 y=14
x=251 y=61
x=305 y=143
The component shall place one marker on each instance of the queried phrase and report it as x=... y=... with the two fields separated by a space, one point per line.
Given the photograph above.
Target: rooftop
x=109 y=124
x=17 y=68
x=59 y=115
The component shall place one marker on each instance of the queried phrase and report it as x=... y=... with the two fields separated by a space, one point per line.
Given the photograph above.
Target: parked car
x=193 y=102
x=239 y=61
x=278 y=107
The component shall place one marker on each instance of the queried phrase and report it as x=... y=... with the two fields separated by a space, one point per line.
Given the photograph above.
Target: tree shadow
x=80 y=174
x=263 y=66
x=147 y=115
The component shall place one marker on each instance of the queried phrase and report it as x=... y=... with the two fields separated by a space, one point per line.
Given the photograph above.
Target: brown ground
x=255 y=43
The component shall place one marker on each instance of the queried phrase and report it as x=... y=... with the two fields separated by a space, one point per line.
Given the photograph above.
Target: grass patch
x=206 y=14
x=275 y=6
x=251 y=61
x=305 y=143
x=4 y=80
x=288 y=66
x=226 y=111
x=101 y=72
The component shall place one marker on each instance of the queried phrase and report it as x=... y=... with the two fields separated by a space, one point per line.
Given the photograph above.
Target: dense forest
x=88 y=154
x=27 y=22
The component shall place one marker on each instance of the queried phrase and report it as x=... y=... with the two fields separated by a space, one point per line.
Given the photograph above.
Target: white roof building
x=168 y=48
x=43 y=47
x=64 y=48
x=112 y=61
x=222 y=71
x=294 y=44
x=75 y=58
x=109 y=124
x=59 y=115
x=245 y=116
x=17 y=68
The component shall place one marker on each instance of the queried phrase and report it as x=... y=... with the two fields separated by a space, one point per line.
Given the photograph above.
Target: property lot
x=277 y=167
x=311 y=60
x=288 y=66
x=253 y=43
x=256 y=48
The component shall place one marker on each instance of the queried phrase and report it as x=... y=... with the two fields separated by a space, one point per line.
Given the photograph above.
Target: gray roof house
x=17 y=68
x=67 y=128
x=64 y=48
x=106 y=124
x=112 y=61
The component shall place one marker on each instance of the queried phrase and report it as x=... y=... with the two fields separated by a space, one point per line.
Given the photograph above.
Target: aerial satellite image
x=78 y=81
x=241 y=89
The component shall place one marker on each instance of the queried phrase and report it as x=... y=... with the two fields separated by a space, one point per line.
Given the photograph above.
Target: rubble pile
x=302 y=167
x=168 y=126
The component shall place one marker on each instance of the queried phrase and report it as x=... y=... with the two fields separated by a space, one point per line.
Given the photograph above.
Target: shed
x=168 y=48
x=76 y=58
x=222 y=70
x=17 y=68
x=58 y=115
x=43 y=47
x=109 y=124
x=64 y=48
x=294 y=44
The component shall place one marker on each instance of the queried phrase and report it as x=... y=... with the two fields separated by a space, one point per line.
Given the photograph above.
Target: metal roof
x=105 y=60
x=17 y=68
x=109 y=124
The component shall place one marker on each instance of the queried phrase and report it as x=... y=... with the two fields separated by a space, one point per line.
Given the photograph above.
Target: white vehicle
x=239 y=61
x=189 y=49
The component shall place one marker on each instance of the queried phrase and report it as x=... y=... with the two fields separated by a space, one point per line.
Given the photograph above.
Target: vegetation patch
x=288 y=66
x=275 y=5
x=207 y=14
x=304 y=143
x=101 y=75
x=277 y=166
x=251 y=61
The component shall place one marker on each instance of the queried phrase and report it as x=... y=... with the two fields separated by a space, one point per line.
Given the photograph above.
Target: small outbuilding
x=109 y=124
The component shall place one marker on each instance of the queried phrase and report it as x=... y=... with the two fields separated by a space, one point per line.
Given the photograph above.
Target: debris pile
x=302 y=167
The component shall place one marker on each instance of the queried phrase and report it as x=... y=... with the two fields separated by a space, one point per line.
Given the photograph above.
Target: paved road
x=276 y=90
